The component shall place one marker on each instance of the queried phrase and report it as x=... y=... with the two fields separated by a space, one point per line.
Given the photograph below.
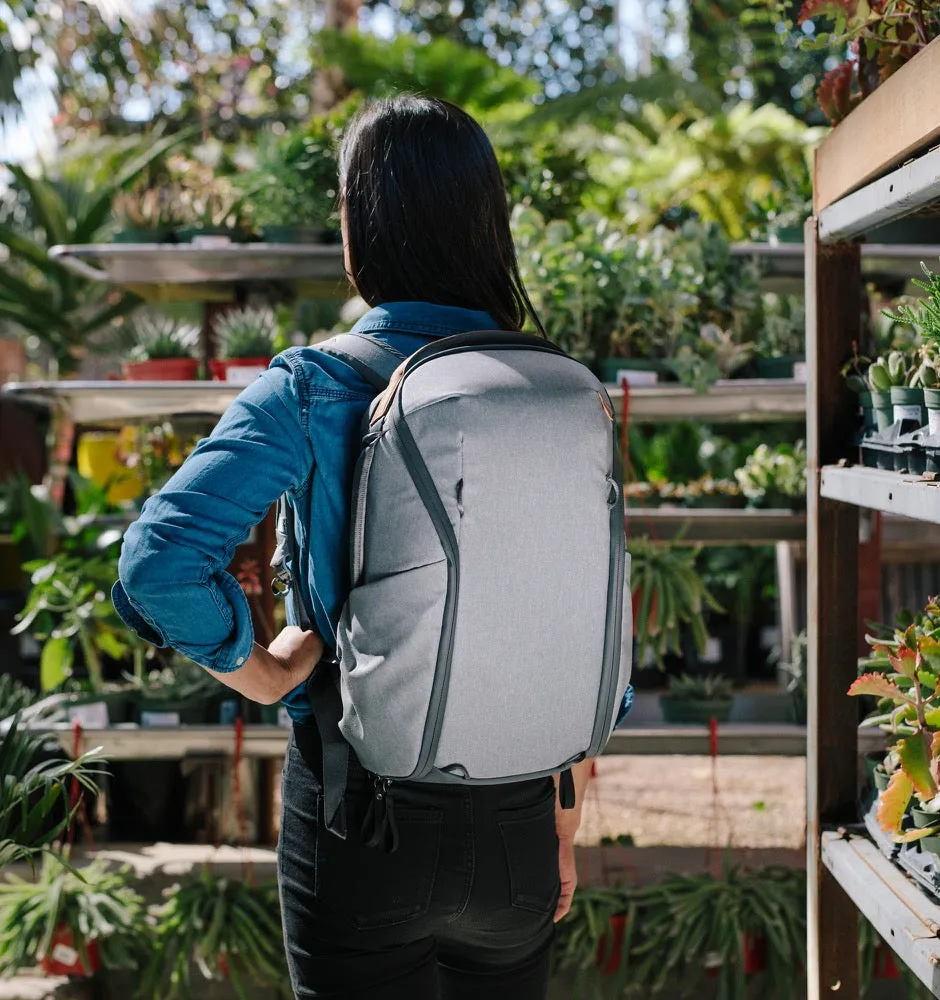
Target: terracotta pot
x=220 y=368
x=165 y=370
x=610 y=946
x=64 y=959
x=12 y=359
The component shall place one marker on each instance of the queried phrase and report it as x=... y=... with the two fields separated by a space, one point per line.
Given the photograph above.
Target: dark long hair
x=426 y=212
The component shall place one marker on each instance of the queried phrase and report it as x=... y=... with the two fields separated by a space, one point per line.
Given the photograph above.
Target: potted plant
x=72 y=922
x=774 y=477
x=147 y=214
x=669 y=596
x=207 y=204
x=174 y=695
x=69 y=610
x=902 y=675
x=34 y=794
x=781 y=337
x=292 y=190
x=246 y=340
x=698 y=699
x=224 y=929
x=741 y=924
x=593 y=944
x=714 y=354
x=878 y=39
x=164 y=350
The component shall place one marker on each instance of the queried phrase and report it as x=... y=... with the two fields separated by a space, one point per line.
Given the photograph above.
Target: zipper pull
x=379 y=828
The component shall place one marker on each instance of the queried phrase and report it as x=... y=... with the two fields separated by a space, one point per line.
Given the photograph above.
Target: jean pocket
x=370 y=888
x=531 y=846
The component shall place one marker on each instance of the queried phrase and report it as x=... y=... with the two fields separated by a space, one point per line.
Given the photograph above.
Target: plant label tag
x=799 y=371
x=243 y=374
x=153 y=719
x=636 y=379
x=712 y=652
x=907 y=413
x=283 y=718
x=65 y=955
x=93 y=716
x=934 y=417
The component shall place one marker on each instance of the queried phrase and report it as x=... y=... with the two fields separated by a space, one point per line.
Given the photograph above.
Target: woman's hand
x=269 y=675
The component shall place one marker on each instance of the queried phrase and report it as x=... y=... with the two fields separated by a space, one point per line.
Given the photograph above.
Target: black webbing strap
x=373 y=359
x=566 y=791
x=376 y=363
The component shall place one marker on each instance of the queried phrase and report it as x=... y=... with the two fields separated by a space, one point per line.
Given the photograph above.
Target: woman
x=464 y=909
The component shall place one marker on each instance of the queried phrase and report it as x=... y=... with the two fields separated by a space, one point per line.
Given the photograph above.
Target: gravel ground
x=760 y=801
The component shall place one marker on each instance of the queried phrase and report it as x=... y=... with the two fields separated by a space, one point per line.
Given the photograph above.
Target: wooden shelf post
x=833 y=274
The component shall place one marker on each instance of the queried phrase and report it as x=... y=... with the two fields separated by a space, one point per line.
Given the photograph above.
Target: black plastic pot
x=687 y=710
x=923 y=820
x=777 y=368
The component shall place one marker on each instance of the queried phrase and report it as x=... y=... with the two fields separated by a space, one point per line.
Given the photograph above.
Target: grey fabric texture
x=486 y=663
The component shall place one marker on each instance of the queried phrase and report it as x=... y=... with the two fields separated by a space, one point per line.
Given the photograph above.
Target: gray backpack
x=487 y=636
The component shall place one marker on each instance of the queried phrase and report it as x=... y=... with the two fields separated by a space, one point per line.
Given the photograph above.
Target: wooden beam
x=887 y=128
x=833 y=275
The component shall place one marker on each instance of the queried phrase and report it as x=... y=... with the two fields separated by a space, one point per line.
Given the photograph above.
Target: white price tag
x=713 y=651
x=283 y=718
x=934 y=417
x=799 y=371
x=907 y=413
x=243 y=374
x=65 y=955
x=153 y=719
x=637 y=379
x=93 y=716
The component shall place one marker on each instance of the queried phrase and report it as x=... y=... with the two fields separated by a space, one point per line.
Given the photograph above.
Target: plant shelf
x=131 y=742
x=880 y=261
x=716 y=526
x=905 y=917
x=728 y=401
x=125 y=402
x=891 y=492
x=905 y=190
x=169 y=272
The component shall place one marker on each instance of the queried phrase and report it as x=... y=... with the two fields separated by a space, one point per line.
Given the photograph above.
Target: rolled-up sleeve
x=174 y=589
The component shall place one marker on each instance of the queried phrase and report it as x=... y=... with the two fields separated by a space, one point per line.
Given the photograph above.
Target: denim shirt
x=294 y=430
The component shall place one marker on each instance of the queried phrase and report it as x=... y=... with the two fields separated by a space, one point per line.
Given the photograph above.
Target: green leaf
x=55 y=663
x=915 y=761
x=909 y=836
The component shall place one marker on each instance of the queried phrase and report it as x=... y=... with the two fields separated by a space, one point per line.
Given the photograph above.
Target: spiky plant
x=32 y=789
x=712 y=687
x=248 y=333
x=159 y=337
x=97 y=906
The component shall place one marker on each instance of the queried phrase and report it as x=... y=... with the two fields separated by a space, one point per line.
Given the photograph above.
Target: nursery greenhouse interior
x=726 y=222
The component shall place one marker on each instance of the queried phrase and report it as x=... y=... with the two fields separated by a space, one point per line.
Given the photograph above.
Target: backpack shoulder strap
x=373 y=359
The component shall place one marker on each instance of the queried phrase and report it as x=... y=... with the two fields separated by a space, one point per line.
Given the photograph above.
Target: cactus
x=248 y=333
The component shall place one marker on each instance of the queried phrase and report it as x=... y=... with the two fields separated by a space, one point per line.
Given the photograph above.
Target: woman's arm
x=269 y=675
x=567 y=822
x=174 y=587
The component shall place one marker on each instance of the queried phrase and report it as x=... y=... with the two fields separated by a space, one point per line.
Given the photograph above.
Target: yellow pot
x=99 y=461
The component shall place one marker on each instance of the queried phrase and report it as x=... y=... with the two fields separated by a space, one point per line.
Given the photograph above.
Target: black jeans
x=461 y=911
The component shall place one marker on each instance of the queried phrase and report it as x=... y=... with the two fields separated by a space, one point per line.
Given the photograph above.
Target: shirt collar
x=423 y=317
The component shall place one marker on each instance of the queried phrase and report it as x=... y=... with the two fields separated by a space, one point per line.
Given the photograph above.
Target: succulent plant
x=248 y=333
x=890 y=372
x=159 y=337
x=712 y=687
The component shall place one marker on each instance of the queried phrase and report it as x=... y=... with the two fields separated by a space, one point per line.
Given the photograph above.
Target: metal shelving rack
x=859 y=185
